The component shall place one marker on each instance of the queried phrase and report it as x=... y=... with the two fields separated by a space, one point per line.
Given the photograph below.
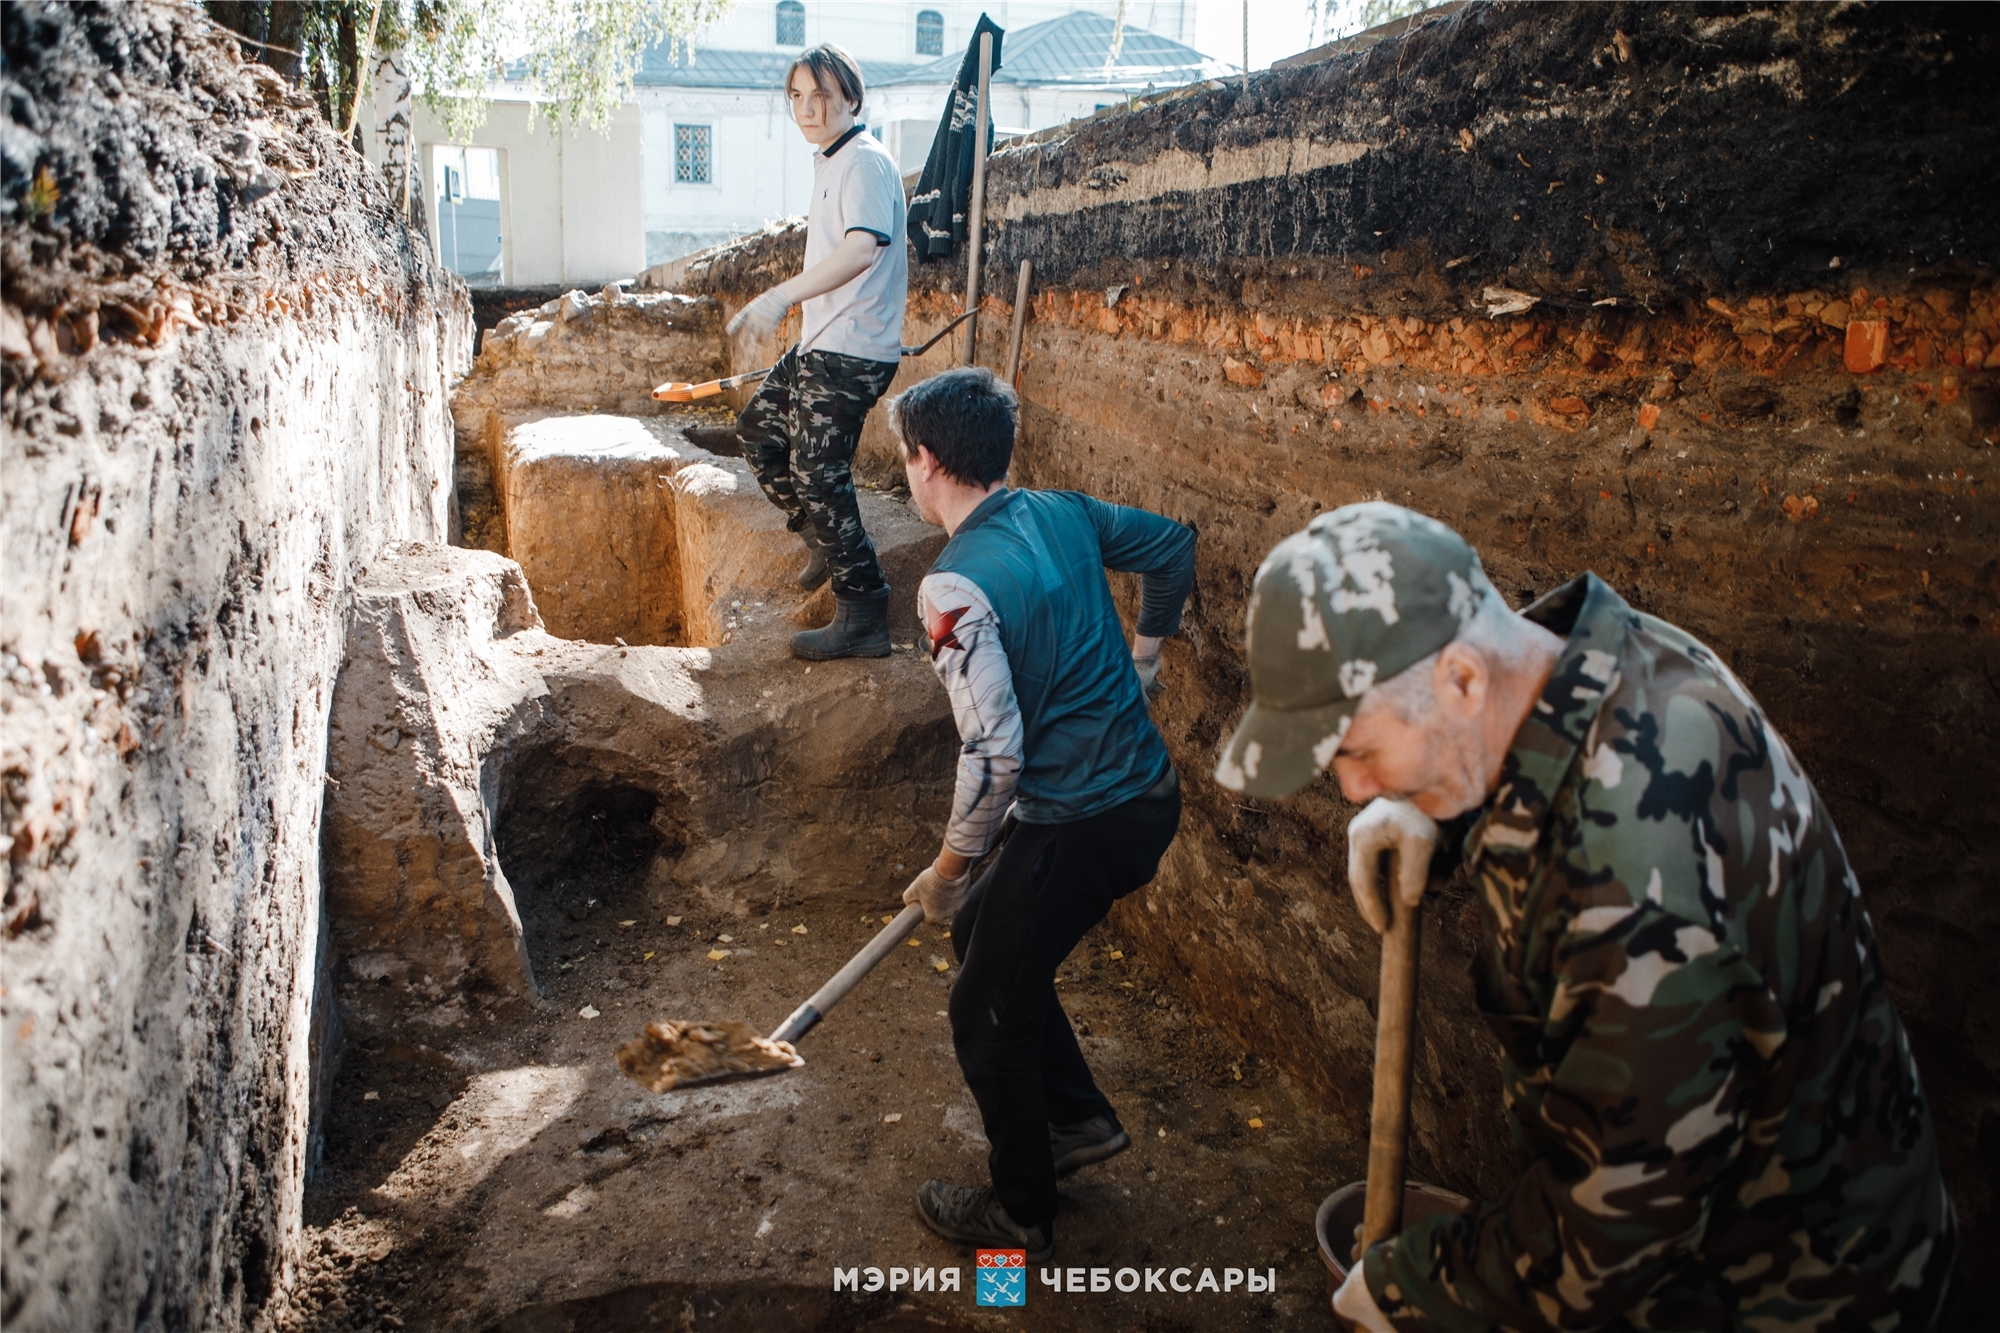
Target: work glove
x=941 y=898
x=1148 y=668
x=761 y=318
x=1355 y=1305
x=1389 y=825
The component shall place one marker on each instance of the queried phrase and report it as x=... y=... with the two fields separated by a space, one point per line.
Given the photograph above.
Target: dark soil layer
x=179 y=187
x=1642 y=151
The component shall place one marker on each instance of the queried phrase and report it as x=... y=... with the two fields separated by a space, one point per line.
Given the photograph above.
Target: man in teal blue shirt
x=1052 y=714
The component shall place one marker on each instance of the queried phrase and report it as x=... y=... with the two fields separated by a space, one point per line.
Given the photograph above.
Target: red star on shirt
x=940 y=631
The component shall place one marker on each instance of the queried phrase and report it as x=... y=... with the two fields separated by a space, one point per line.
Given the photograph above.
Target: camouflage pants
x=799 y=434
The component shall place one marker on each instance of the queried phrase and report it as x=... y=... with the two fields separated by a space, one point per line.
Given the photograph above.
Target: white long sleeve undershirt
x=970 y=660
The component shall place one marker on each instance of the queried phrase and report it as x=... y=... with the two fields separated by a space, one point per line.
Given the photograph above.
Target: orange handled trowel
x=678 y=391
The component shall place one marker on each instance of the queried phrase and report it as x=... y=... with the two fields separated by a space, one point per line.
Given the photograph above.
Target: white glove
x=1387 y=825
x=1356 y=1304
x=1148 y=668
x=761 y=318
x=941 y=897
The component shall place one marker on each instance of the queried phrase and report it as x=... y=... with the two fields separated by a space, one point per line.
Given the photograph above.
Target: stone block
x=589 y=517
x=603 y=351
x=626 y=530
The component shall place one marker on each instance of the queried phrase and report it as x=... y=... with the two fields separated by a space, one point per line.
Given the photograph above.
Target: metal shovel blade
x=672 y=1055
x=667 y=1056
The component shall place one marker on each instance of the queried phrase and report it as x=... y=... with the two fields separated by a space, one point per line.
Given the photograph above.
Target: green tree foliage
x=578 y=55
x=1343 y=18
x=1374 y=13
x=314 y=43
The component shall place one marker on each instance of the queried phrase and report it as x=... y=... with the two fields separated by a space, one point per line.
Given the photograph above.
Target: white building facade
x=723 y=157
x=707 y=148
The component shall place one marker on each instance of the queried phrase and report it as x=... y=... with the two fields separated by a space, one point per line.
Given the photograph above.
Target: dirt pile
x=224 y=387
x=675 y=1055
x=595 y=352
x=1699 y=300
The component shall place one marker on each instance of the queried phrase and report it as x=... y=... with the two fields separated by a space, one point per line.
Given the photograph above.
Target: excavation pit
x=578 y=846
x=713 y=831
x=1699 y=300
x=529 y=1184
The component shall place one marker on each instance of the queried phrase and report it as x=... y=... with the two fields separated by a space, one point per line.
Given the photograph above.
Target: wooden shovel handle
x=1395 y=1035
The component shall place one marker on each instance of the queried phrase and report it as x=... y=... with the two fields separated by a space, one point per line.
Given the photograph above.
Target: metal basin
x=1340 y=1215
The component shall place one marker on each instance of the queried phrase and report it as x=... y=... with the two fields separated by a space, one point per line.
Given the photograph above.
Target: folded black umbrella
x=944 y=191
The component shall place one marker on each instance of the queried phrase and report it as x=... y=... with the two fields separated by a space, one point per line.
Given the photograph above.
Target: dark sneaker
x=860 y=628
x=1086 y=1142
x=971 y=1215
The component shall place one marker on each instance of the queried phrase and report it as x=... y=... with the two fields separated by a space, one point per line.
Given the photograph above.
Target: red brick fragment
x=1867 y=345
x=1241 y=372
x=1649 y=416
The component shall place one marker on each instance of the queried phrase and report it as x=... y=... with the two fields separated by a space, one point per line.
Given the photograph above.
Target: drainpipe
x=562 y=214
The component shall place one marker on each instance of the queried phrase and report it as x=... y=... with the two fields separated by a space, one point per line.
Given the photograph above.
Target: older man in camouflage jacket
x=1722 y=1121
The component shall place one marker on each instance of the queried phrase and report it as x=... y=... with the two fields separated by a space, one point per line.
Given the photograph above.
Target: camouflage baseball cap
x=1363 y=592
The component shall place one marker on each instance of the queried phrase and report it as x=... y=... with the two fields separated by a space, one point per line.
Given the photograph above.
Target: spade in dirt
x=673 y=1055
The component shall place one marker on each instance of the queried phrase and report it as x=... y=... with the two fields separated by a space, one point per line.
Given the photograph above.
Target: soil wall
x=1698 y=297
x=225 y=386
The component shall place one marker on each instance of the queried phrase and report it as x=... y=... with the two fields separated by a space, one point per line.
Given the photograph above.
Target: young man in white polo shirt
x=801 y=429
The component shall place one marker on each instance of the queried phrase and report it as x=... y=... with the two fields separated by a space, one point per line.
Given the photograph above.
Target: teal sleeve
x=1158 y=549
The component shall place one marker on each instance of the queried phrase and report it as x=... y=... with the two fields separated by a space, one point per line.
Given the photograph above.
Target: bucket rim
x=1453 y=1202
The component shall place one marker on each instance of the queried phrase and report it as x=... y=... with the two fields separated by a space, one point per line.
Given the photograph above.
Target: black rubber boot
x=817 y=571
x=860 y=628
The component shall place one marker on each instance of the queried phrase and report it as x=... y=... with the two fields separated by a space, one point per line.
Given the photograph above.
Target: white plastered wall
x=572 y=203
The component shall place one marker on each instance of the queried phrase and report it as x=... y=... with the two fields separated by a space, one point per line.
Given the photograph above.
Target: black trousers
x=1050 y=884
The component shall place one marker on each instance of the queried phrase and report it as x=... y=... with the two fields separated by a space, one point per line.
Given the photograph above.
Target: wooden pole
x=1020 y=319
x=361 y=67
x=975 y=236
x=1395 y=1035
x=1246 y=45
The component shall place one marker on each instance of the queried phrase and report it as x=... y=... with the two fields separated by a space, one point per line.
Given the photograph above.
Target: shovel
x=677 y=391
x=1395 y=1034
x=1356 y=1216
x=687 y=1055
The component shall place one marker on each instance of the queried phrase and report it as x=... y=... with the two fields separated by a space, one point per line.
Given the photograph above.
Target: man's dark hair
x=831 y=67
x=965 y=417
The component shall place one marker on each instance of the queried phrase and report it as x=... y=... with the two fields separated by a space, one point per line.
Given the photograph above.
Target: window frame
x=709 y=127
x=796 y=11
x=938 y=15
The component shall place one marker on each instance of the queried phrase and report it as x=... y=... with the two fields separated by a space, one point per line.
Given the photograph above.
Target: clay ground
x=517 y=1181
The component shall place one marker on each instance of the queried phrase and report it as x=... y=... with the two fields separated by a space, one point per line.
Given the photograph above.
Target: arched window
x=791 y=23
x=930 y=33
